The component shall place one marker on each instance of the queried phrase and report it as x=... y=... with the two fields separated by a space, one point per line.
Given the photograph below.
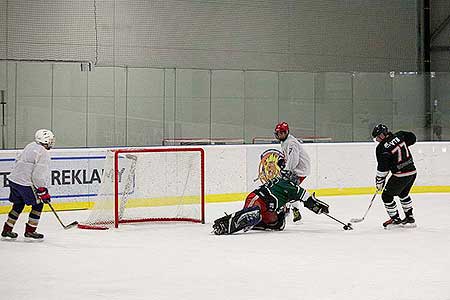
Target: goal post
x=150 y=185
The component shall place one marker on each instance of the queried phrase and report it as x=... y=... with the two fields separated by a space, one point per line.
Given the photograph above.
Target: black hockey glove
x=281 y=163
x=315 y=205
x=289 y=175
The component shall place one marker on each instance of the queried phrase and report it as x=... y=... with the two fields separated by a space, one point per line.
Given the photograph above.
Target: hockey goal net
x=147 y=185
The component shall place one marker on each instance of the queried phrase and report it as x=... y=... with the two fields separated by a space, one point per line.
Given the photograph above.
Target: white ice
x=314 y=260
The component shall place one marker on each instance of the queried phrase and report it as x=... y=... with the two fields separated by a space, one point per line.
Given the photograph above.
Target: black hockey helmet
x=379 y=129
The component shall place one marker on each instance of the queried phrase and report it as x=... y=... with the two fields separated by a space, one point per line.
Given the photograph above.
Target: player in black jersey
x=393 y=155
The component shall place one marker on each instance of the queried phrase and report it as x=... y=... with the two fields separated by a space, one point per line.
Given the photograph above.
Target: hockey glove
x=315 y=205
x=43 y=194
x=289 y=175
x=379 y=183
x=281 y=163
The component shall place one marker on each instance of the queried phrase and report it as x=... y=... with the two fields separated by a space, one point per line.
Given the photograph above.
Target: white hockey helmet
x=45 y=137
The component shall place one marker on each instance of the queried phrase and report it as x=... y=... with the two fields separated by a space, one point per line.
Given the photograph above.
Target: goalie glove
x=281 y=163
x=315 y=205
x=289 y=175
x=380 y=181
x=43 y=194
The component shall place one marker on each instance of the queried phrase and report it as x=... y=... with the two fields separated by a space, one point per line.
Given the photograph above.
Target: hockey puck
x=348 y=227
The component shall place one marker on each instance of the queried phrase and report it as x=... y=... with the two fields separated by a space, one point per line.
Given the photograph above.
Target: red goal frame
x=117 y=152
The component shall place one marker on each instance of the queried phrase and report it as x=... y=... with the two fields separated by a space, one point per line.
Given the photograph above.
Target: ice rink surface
x=314 y=260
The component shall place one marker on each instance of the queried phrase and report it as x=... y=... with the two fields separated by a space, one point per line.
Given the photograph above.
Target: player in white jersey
x=28 y=183
x=296 y=158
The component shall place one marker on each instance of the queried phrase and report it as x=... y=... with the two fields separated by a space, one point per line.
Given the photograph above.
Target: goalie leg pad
x=315 y=205
x=244 y=219
x=268 y=216
x=278 y=225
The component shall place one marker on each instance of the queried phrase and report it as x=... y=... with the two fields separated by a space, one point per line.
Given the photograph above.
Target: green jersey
x=279 y=191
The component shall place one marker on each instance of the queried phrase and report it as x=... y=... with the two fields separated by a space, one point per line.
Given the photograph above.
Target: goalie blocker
x=265 y=207
x=316 y=205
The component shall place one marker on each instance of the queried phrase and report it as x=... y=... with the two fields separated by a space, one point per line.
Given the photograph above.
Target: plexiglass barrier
x=120 y=106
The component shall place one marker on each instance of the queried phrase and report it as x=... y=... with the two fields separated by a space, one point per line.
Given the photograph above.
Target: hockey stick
x=357 y=220
x=257 y=178
x=347 y=226
x=71 y=225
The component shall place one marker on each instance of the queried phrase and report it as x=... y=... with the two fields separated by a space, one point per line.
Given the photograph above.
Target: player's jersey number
x=402 y=152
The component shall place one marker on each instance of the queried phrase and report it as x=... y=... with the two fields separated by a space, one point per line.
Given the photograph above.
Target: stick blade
x=71 y=225
x=356 y=220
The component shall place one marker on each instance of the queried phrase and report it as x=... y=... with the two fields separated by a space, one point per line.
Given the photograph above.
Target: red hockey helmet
x=282 y=127
x=281 y=131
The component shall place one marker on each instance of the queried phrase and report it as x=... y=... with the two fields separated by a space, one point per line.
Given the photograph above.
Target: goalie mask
x=45 y=137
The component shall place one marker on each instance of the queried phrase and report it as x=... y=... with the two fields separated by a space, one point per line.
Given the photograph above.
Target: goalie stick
x=347 y=226
x=71 y=225
x=358 y=220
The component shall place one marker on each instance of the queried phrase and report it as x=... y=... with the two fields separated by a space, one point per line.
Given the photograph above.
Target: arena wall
x=231 y=170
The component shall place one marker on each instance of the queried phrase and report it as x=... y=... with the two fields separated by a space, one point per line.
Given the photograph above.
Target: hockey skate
x=8 y=233
x=34 y=235
x=30 y=232
x=409 y=222
x=392 y=222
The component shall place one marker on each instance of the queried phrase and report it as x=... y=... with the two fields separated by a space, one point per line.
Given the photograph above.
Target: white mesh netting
x=153 y=185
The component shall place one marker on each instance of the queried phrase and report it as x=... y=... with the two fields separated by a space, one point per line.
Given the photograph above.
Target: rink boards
x=231 y=171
